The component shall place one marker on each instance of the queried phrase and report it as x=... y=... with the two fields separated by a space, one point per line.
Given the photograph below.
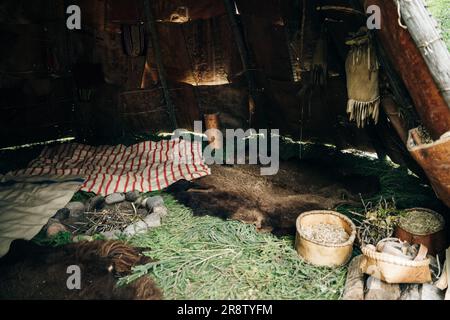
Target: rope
x=426 y=45
x=400 y=23
x=399 y=12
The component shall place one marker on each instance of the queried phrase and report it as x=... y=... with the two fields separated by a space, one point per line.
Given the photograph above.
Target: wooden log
x=401 y=94
x=422 y=27
x=159 y=63
x=393 y=112
x=254 y=94
x=442 y=283
x=346 y=10
x=431 y=292
x=380 y=290
x=354 y=285
x=410 y=292
x=408 y=62
x=447 y=266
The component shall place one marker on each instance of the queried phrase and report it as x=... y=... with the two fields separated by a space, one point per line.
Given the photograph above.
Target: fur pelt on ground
x=30 y=271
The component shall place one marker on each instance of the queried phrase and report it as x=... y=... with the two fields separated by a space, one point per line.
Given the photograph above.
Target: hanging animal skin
x=133 y=39
x=362 y=82
x=320 y=61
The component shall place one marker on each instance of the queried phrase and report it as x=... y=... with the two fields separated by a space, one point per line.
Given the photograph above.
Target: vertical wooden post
x=422 y=27
x=159 y=64
x=245 y=59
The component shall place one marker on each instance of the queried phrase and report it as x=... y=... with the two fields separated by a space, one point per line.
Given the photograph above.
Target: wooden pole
x=447 y=267
x=411 y=292
x=158 y=57
x=245 y=59
x=393 y=113
x=380 y=290
x=422 y=27
x=408 y=62
x=354 y=286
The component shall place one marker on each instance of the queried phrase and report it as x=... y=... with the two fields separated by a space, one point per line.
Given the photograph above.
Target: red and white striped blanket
x=147 y=166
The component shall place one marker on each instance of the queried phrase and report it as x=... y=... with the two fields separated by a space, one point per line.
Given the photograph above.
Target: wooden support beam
x=151 y=24
x=343 y=9
x=411 y=292
x=442 y=283
x=255 y=96
x=399 y=90
x=393 y=113
x=380 y=290
x=409 y=63
x=447 y=266
x=422 y=27
x=354 y=285
x=429 y=292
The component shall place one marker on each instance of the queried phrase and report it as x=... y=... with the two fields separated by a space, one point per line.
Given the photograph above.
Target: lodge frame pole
x=245 y=59
x=150 y=19
x=423 y=29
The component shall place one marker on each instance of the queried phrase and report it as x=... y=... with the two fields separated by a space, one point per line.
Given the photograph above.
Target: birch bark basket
x=423 y=29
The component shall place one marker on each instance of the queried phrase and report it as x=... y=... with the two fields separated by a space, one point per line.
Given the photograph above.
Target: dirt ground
x=31 y=272
x=272 y=203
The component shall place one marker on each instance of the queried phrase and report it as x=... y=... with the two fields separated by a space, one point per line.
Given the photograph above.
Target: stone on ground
x=132 y=196
x=161 y=211
x=95 y=203
x=111 y=235
x=115 y=198
x=76 y=209
x=62 y=214
x=54 y=228
x=154 y=202
x=151 y=221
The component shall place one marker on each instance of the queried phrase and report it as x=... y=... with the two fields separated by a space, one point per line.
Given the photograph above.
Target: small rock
x=62 y=214
x=54 y=228
x=161 y=211
x=81 y=238
x=142 y=212
x=142 y=201
x=154 y=202
x=50 y=222
x=115 y=198
x=95 y=203
x=132 y=196
x=76 y=209
x=135 y=228
x=151 y=221
x=111 y=235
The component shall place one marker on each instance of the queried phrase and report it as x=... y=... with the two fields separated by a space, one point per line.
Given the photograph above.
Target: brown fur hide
x=30 y=271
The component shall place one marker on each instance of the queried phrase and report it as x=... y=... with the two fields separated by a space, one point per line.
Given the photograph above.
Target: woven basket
x=392 y=269
x=319 y=254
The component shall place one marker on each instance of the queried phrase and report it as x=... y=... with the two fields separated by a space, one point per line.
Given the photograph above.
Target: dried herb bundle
x=421 y=222
x=378 y=221
x=116 y=217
